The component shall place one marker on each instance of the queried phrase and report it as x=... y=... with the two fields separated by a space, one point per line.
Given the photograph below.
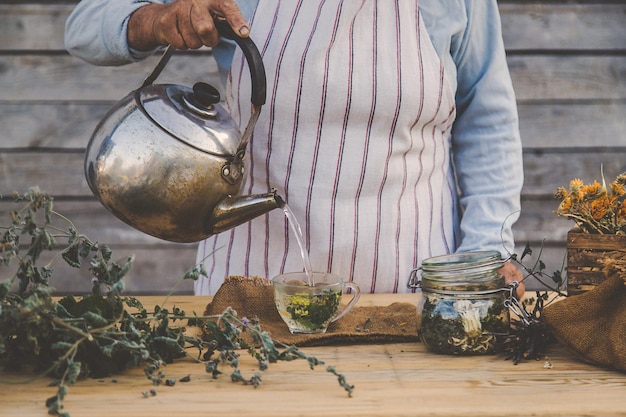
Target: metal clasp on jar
x=415 y=279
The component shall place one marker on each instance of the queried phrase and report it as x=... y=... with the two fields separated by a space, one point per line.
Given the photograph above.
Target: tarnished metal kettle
x=169 y=160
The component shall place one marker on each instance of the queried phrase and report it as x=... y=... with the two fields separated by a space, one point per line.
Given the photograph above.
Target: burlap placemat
x=593 y=325
x=254 y=297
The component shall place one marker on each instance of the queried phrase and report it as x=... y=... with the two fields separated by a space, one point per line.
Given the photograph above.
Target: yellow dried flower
x=618 y=189
x=576 y=183
x=566 y=205
x=593 y=207
x=561 y=193
x=575 y=187
x=592 y=191
x=599 y=208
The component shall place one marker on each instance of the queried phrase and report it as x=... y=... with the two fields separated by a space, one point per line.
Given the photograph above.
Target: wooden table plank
x=390 y=380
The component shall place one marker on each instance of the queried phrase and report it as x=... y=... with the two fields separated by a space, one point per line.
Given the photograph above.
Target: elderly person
x=390 y=128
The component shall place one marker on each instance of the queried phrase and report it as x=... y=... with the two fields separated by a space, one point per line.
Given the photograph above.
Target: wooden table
x=390 y=380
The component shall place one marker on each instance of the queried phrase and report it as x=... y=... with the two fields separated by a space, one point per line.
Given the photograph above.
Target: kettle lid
x=192 y=116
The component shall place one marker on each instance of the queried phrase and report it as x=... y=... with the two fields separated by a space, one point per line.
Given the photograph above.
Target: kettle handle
x=250 y=51
x=253 y=57
x=159 y=67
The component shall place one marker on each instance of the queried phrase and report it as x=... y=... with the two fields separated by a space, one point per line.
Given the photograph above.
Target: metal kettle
x=169 y=160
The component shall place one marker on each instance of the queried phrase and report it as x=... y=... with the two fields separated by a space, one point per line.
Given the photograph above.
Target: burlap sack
x=593 y=324
x=254 y=297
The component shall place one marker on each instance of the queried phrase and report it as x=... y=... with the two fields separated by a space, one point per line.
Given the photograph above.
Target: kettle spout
x=232 y=211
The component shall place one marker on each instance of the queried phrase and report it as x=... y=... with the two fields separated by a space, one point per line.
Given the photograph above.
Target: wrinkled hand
x=512 y=273
x=184 y=24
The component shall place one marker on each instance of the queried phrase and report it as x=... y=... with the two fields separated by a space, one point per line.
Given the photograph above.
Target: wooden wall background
x=567 y=59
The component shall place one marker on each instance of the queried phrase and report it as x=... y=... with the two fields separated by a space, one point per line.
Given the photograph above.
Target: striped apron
x=355 y=136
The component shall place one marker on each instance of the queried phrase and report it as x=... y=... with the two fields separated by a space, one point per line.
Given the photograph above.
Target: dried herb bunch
x=594 y=207
x=103 y=333
x=528 y=336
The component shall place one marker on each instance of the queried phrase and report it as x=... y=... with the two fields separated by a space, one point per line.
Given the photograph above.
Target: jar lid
x=467 y=261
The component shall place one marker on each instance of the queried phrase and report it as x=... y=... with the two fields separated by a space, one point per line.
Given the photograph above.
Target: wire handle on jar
x=415 y=279
x=514 y=305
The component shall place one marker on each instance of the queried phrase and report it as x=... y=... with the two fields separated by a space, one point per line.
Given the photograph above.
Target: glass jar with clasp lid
x=463 y=306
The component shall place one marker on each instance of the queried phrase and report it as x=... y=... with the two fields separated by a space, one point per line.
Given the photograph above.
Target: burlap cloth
x=593 y=325
x=253 y=297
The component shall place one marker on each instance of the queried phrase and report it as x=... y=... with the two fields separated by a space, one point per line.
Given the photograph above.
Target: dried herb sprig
x=555 y=281
x=228 y=333
x=529 y=336
x=103 y=333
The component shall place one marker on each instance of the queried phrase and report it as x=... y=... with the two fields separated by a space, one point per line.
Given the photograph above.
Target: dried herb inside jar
x=462 y=326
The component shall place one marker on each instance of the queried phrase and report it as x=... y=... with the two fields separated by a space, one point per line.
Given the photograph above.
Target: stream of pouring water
x=291 y=219
x=295 y=226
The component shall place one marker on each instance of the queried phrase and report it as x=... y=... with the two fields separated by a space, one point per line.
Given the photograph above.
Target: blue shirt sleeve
x=96 y=30
x=486 y=146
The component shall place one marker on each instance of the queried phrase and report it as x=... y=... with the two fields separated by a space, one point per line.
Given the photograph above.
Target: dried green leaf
x=94 y=320
x=71 y=256
x=195 y=272
x=5 y=287
x=73 y=371
x=341 y=379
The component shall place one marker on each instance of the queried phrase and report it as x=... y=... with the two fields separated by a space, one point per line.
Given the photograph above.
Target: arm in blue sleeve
x=96 y=31
x=487 y=150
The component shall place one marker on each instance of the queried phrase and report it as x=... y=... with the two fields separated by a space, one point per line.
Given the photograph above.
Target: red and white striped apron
x=355 y=136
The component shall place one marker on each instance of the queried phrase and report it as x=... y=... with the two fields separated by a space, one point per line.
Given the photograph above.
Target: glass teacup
x=310 y=309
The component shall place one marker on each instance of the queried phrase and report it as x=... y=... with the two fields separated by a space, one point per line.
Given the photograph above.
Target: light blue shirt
x=486 y=146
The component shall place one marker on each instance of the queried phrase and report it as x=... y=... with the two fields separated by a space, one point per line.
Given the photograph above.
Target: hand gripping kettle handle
x=250 y=51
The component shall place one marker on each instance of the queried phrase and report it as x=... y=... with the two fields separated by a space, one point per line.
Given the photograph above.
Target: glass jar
x=462 y=308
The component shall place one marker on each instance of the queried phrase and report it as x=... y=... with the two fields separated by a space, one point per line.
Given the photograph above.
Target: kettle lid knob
x=205 y=94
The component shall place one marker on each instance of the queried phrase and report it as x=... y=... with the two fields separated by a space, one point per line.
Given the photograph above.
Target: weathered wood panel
x=40 y=77
x=33 y=26
x=59 y=125
x=572 y=125
x=549 y=26
x=63 y=78
x=537 y=222
x=585 y=253
x=536 y=25
x=155 y=270
x=60 y=174
x=158 y=265
x=544 y=170
x=542 y=124
x=568 y=77
x=90 y=218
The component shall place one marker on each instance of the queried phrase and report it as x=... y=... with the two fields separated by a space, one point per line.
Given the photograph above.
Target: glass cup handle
x=357 y=294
